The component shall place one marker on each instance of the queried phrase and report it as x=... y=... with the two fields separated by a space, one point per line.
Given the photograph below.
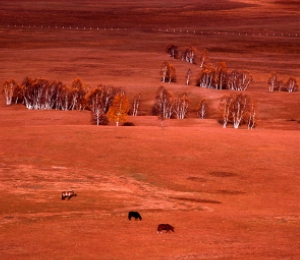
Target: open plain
x=229 y=193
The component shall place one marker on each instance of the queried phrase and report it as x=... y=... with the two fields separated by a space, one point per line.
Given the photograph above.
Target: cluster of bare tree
x=214 y=76
x=278 y=85
x=189 y=54
x=168 y=106
x=172 y=50
x=99 y=101
x=44 y=94
x=238 y=109
x=168 y=72
x=108 y=103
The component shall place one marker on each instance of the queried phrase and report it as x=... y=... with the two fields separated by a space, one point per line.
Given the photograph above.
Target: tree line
x=39 y=93
x=108 y=103
x=235 y=109
x=217 y=76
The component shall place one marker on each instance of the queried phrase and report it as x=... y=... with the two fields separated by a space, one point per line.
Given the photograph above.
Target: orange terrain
x=228 y=193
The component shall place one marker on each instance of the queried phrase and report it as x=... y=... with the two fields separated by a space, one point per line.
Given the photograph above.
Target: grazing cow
x=68 y=194
x=166 y=227
x=135 y=215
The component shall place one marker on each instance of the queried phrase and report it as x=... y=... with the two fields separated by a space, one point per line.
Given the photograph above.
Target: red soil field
x=229 y=193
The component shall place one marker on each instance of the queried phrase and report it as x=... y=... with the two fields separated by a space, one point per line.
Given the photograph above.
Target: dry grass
x=230 y=194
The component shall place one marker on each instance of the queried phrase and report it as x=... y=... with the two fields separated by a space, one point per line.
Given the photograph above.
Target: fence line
x=169 y=31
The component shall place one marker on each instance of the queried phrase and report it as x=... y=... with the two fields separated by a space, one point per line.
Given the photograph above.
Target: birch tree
x=171 y=73
x=291 y=85
x=163 y=106
x=220 y=80
x=27 y=89
x=95 y=101
x=62 y=96
x=202 y=108
x=189 y=55
x=251 y=117
x=164 y=70
x=99 y=101
x=272 y=81
x=237 y=109
x=135 y=104
x=206 y=76
x=188 y=76
x=10 y=88
x=168 y=72
x=204 y=58
x=78 y=91
x=239 y=80
x=180 y=106
x=108 y=95
x=172 y=50
x=118 y=111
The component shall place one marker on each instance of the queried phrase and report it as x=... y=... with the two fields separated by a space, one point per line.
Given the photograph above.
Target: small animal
x=68 y=194
x=166 y=227
x=135 y=215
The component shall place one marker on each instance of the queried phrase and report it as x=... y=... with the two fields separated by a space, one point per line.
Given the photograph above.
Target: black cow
x=68 y=194
x=166 y=227
x=135 y=215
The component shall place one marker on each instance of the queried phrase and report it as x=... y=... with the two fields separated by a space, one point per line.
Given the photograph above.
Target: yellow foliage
x=119 y=109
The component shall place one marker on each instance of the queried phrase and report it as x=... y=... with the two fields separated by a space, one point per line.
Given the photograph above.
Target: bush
x=128 y=124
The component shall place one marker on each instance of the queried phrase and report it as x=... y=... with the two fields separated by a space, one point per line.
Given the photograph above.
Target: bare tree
x=188 y=76
x=33 y=92
x=163 y=106
x=251 y=116
x=78 y=92
x=221 y=75
x=96 y=103
x=225 y=107
x=172 y=50
x=202 y=108
x=97 y=117
x=206 y=76
x=164 y=70
x=181 y=105
x=239 y=81
x=291 y=85
x=62 y=96
x=99 y=101
x=135 y=104
x=204 y=58
x=238 y=109
x=9 y=88
x=168 y=72
x=272 y=81
x=189 y=55
x=171 y=73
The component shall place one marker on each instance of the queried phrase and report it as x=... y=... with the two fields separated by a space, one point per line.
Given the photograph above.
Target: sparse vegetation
x=275 y=84
x=225 y=191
